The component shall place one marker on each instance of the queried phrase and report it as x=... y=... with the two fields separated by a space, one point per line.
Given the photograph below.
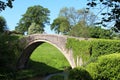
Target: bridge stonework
x=29 y=43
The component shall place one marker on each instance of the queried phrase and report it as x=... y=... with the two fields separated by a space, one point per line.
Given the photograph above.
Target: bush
x=107 y=67
x=7 y=56
x=89 y=50
x=79 y=74
x=102 y=46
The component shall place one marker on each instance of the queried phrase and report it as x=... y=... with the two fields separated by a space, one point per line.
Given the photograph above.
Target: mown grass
x=51 y=56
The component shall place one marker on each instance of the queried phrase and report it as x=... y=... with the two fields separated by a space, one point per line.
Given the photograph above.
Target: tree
x=75 y=16
x=98 y=32
x=35 y=14
x=2 y=24
x=80 y=30
x=35 y=28
x=110 y=15
x=60 y=25
x=4 y=4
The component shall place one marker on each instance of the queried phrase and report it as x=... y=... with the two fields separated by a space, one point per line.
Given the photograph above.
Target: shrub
x=79 y=74
x=89 y=50
x=102 y=46
x=105 y=68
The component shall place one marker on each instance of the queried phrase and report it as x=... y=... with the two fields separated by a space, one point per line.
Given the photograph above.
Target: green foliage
x=105 y=68
x=110 y=11
x=91 y=49
x=75 y=16
x=79 y=30
x=4 y=4
x=82 y=30
x=35 y=28
x=35 y=14
x=80 y=48
x=60 y=25
x=2 y=24
x=7 y=50
x=92 y=68
x=98 y=32
x=8 y=56
x=101 y=47
x=79 y=74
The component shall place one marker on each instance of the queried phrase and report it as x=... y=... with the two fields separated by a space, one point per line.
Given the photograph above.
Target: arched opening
x=28 y=51
x=47 y=58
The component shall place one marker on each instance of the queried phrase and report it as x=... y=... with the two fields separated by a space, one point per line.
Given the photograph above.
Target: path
x=62 y=74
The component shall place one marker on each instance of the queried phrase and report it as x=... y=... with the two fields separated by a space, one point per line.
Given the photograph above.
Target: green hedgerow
x=107 y=67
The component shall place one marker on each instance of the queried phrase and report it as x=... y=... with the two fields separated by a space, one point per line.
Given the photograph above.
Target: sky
x=13 y=15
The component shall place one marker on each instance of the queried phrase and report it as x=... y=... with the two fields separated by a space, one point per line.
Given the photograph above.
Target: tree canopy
x=60 y=25
x=70 y=17
x=35 y=14
x=75 y=16
x=110 y=15
x=4 y=4
x=35 y=28
x=3 y=24
x=79 y=30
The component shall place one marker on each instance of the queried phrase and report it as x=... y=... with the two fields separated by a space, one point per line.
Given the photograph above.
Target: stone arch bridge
x=29 y=43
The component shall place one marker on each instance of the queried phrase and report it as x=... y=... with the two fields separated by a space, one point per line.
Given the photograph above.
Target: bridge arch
x=30 y=43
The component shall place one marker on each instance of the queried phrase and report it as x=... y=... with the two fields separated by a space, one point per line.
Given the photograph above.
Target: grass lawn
x=50 y=55
x=47 y=59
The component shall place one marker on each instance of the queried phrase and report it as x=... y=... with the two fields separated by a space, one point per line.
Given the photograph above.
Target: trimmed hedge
x=107 y=67
x=91 y=49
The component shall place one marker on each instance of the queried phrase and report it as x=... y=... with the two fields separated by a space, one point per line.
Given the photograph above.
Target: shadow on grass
x=34 y=68
x=42 y=68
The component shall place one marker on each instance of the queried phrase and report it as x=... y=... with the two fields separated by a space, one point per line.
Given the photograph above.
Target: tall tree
x=35 y=14
x=60 y=25
x=79 y=30
x=2 y=24
x=75 y=16
x=110 y=9
x=34 y=28
x=4 y=4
